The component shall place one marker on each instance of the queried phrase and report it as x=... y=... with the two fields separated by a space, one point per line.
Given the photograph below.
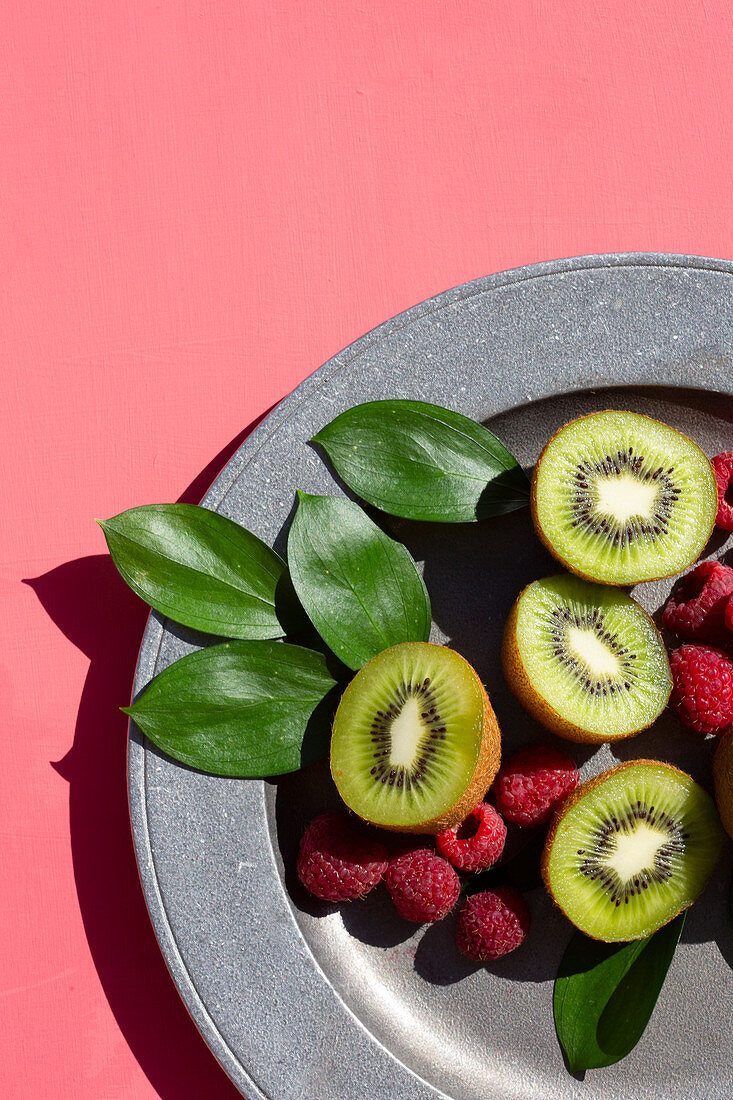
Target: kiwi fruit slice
x=630 y=849
x=723 y=776
x=621 y=498
x=585 y=659
x=415 y=743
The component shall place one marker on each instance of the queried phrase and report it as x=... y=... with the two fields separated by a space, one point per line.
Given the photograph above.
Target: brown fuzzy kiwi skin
x=487 y=766
x=567 y=804
x=723 y=779
x=554 y=550
x=532 y=701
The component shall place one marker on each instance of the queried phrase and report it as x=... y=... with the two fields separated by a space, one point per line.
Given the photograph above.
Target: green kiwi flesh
x=592 y=660
x=621 y=498
x=408 y=735
x=630 y=849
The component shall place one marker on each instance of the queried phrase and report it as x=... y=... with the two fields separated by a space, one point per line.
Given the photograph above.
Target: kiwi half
x=415 y=742
x=621 y=498
x=630 y=849
x=585 y=659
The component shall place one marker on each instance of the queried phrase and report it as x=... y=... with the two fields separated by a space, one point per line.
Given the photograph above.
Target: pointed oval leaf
x=424 y=462
x=360 y=588
x=249 y=709
x=199 y=568
x=605 y=994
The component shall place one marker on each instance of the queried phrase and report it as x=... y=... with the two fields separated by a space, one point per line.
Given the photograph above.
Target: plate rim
x=213 y=498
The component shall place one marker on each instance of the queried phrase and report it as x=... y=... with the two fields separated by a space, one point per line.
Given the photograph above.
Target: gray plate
x=299 y=999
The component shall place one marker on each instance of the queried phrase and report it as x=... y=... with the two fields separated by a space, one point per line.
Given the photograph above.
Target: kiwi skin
x=487 y=766
x=723 y=777
x=569 y=802
x=553 y=549
x=538 y=707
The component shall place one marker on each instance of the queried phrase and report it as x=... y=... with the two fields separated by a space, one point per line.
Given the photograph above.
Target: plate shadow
x=94 y=609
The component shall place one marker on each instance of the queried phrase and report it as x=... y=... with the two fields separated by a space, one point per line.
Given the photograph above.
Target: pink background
x=200 y=202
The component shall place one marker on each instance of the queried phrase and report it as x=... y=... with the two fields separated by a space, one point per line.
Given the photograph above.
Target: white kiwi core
x=586 y=645
x=408 y=734
x=624 y=496
x=632 y=852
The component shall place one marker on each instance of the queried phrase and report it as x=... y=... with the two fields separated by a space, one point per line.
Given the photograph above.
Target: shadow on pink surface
x=93 y=608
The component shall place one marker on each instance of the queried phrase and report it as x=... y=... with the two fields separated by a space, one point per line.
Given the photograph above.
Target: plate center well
x=452 y=1023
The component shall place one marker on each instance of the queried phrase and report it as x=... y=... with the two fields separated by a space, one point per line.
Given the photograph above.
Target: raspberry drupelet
x=723 y=470
x=338 y=863
x=477 y=843
x=423 y=885
x=696 y=608
x=702 y=692
x=532 y=783
x=492 y=923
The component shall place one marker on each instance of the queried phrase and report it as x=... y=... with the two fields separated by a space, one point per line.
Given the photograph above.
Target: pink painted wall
x=199 y=203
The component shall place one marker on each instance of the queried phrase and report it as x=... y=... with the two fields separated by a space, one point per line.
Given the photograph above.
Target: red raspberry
x=336 y=863
x=695 y=609
x=533 y=782
x=729 y=615
x=477 y=843
x=423 y=886
x=723 y=470
x=492 y=924
x=702 y=692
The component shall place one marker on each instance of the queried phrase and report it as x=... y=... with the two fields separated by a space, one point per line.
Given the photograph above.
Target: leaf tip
x=128 y=711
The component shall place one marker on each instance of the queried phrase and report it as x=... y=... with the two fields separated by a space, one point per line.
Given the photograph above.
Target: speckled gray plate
x=301 y=1000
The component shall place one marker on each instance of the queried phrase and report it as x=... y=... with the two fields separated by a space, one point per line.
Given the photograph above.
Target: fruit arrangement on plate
x=413 y=741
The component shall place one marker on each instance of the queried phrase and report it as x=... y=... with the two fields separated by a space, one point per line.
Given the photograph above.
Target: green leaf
x=200 y=569
x=421 y=461
x=605 y=994
x=242 y=708
x=360 y=588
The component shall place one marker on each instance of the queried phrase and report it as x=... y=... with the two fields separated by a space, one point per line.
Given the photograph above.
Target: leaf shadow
x=346 y=490
x=317 y=736
x=513 y=484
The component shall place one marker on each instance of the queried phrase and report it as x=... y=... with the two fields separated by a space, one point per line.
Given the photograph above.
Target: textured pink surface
x=200 y=203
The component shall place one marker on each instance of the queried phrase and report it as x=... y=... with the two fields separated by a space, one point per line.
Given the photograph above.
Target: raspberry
x=728 y=616
x=492 y=924
x=702 y=692
x=477 y=843
x=533 y=782
x=424 y=887
x=336 y=863
x=723 y=470
x=695 y=609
